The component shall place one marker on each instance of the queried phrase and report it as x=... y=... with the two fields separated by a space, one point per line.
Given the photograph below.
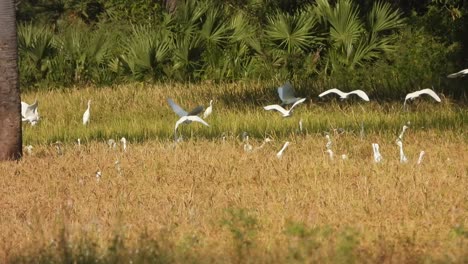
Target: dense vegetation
x=382 y=47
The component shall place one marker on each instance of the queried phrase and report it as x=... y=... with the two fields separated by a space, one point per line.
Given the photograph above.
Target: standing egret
x=377 y=156
x=79 y=142
x=284 y=112
x=286 y=94
x=188 y=119
x=279 y=155
x=124 y=144
x=98 y=175
x=87 y=114
x=400 y=137
x=329 y=142
x=330 y=153
x=29 y=149
x=300 y=125
x=413 y=95
x=458 y=74
x=421 y=155
x=208 y=110
x=344 y=95
x=403 y=158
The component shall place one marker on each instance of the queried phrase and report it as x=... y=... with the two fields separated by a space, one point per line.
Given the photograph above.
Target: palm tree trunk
x=10 y=104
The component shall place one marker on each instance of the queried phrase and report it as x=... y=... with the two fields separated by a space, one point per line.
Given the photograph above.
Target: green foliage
x=243 y=228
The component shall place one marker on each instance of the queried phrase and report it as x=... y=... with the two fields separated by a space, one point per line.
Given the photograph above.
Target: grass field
x=207 y=200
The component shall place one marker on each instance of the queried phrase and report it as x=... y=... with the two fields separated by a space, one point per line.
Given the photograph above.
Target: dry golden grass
x=180 y=196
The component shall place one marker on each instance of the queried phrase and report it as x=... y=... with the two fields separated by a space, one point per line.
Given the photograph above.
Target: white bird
x=329 y=142
x=87 y=114
x=413 y=95
x=344 y=95
x=280 y=153
x=247 y=146
x=208 y=110
x=79 y=142
x=403 y=158
x=377 y=156
x=458 y=74
x=124 y=144
x=181 y=112
x=344 y=156
x=265 y=141
x=421 y=155
x=29 y=149
x=29 y=113
x=300 y=125
x=188 y=119
x=111 y=143
x=400 y=137
x=330 y=153
x=283 y=111
x=286 y=94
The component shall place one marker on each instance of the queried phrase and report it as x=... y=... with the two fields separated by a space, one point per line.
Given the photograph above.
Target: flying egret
x=458 y=74
x=279 y=155
x=208 y=110
x=403 y=158
x=124 y=144
x=181 y=112
x=413 y=95
x=188 y=119
x=421 y=155
x=87 y=114
x=377 y=156
x=284 y=112
x=286 y=94
x=29 y=113
x=344 y=95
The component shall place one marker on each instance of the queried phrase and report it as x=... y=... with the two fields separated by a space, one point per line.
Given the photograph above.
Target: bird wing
x=458 y=74
x=24 y=108
x=176 y=108
x=191 y=118
x=286 y=92
x=277 y=108
x=430 y=93
x=361 y=94
x=296 y=103
x=334 y=90
x=197 y=110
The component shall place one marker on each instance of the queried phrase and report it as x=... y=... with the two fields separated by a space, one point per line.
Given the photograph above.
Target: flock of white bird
x=287 y=96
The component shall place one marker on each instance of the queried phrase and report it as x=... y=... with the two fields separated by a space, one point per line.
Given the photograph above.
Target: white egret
x=279 y=155
x=284 y=112
x=403 y=158
x=124 y=144
x=377 y=156
x=421 y=155
x=344 y=95
x=458 y=74
x=247 y=146
x=181 y=112
x=329 y=142
x=29 y=113
x=413 y=95
x=400 y=137
x=300 y=125
x=87 y=114
x=188 y=119
x=29 y=149
x=330 y=153
x=111 y=143
x=79 y=142
x=265 y=141
x=208 y=110
x=286 y=94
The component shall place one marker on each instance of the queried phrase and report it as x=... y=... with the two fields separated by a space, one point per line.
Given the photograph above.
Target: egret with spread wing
x=188 y=119
x=413 y=95
x=458 y=74
x=344 y=95
x=29 y=112
x=286 y=94
x=284 y=112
